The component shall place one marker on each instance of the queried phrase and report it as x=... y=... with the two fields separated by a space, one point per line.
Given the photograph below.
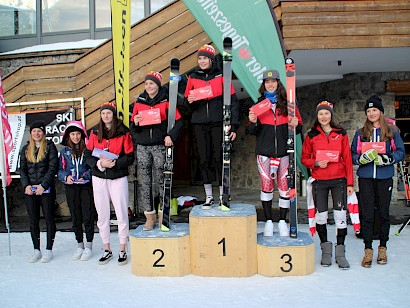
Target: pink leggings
x=116 y=191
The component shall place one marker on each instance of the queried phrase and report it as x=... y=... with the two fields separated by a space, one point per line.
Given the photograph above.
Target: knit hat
x=109 y=106
x=374 y=102
x=74 y=126
x=324 y=105
x=155 y=77
x=38 y=124
x=207 y=51
x=270 y=74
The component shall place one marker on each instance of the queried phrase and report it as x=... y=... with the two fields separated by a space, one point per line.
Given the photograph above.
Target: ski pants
x=209 y=143
x=117 y=191
x=375 y=195
x=268 y=181
x=150 y=162
x=81 y=205
x=338 y=188
x=33 y=204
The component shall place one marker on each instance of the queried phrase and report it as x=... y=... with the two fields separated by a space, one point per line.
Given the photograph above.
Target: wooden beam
x=343 y=6
x=50 y=85
x=12 y=80
x=402 y=86
x=47 y=71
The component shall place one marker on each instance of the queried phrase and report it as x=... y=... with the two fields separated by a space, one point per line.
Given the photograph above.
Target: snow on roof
x=56 y=46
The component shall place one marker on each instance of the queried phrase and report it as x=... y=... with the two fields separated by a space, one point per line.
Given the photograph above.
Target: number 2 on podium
x=223 y=246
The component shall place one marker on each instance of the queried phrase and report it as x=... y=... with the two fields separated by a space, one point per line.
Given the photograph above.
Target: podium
x=284 y=256
x=223 y=244
x=158 y=253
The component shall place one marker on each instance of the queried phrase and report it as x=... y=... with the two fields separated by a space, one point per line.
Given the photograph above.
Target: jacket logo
x=336 y=137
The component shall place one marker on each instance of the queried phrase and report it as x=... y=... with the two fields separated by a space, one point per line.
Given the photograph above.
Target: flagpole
x=4 y=180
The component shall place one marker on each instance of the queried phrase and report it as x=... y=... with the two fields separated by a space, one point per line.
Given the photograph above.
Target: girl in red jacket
x=326 y=151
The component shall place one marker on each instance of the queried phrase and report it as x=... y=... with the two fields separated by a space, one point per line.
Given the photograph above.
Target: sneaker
x=283 y=228
x=268 y=231
x=86 y=254
x=122 y=258
x=208 y=203
x=106 y=257
x=35 y=256
x=77 y=254
x=47 y=256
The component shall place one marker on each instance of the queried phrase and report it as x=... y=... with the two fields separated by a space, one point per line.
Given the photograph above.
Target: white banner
x=18 y=126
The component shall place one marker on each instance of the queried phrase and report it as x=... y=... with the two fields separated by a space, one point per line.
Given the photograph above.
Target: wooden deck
x=174 y=32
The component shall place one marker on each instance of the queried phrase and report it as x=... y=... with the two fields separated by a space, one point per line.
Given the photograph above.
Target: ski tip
x=227 y=41
x=164 y=228
x=224 y=208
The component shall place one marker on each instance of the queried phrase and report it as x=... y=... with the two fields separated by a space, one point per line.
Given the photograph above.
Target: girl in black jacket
x=38 y=166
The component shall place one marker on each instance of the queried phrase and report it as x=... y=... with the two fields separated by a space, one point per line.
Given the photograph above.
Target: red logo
x=243 y=53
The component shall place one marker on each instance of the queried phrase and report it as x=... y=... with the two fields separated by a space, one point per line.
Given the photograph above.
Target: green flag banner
x=255 y=42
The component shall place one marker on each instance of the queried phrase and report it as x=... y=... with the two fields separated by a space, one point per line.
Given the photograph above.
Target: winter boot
x=283 y=228
x=368 y=257
x=340 y=257
x=381 y=256
x=326 y=254
x=209 y=201
x=35 y=256
x=150 y=223
x=160 y=213
x=268 y=231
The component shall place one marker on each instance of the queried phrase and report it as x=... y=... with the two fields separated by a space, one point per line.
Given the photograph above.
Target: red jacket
x=336 y=141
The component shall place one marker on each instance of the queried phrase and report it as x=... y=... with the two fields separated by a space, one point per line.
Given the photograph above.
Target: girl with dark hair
x=38 y=166
x=376 y=147
x=332 y=171
x=76 y=174
x=271 y=131
x=109 y=177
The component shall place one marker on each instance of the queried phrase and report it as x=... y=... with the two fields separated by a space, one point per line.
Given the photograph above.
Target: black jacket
x=42 y=172
x=211 y=110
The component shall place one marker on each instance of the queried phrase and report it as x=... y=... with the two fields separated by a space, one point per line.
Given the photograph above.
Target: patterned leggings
x=268 y=182
x=150 y=161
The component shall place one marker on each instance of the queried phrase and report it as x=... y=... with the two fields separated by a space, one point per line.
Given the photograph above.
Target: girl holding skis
x=207 y=117
x=376 y=170
x=271 y=131
x=151 y=141
x=109 y=176
x=326 y=151
x=74 y=172
x=38 y=166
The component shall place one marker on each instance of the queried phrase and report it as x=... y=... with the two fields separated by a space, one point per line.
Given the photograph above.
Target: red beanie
x=155 y=77
x=207 y=51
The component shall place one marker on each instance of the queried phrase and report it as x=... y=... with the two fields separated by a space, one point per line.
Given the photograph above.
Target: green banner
x=256 y=45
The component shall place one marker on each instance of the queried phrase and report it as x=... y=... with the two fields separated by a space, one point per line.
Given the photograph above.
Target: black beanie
x=38 y=124
x=374 y=102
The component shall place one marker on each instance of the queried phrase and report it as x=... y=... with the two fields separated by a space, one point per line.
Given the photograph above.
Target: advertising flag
x=7 y=141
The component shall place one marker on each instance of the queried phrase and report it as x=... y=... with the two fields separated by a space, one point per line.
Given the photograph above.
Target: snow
x=56 y=46
x=67 y=283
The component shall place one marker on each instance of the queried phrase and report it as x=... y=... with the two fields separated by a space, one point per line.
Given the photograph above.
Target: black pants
x=81 y=204
x=321 y=194
x=33 y=204
x=375 y=195
x=209 y=142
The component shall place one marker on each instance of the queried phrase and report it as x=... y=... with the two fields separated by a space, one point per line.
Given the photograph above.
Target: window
x=157 y=4
x=17 y=17
x=103 y=12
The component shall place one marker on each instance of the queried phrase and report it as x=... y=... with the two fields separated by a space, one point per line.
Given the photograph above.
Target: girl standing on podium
x=38 y=166
x=109 y=177
x=151 y=139
x=271 y=131
x=376 y=171
x=74 y=172
x=334 y=174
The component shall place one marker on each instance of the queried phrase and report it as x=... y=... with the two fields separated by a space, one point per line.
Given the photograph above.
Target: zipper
x=276 y=137
x=207 y=101
x=374 y=140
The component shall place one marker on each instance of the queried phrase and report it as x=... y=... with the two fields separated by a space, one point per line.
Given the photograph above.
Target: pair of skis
x=406 y=181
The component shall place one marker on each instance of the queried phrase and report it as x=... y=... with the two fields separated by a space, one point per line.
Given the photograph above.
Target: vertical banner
x=121 y=31
x=256 y=43
x=6 y=144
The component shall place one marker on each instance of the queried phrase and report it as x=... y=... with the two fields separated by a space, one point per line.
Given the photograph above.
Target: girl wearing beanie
x=207 y=117
x=330 y=174
x=151 y=139
x=74 y=172
x=376 y=147
x=271 y=131
x=38 y=166
x=109 y=177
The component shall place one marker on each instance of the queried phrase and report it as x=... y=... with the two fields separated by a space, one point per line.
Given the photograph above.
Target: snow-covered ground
x=67 y=283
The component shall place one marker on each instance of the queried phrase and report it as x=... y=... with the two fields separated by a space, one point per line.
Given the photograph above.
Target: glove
x=368 y=157
x=383 y=160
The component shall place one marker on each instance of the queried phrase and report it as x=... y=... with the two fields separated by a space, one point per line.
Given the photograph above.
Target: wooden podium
x=284 y=256
x=158 y=253
x=223 y=244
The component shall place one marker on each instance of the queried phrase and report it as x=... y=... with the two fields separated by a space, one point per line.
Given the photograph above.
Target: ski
x=403 y=226
x=291 y=144
x=169 y=151
x=226 y=143
x=406 y=181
